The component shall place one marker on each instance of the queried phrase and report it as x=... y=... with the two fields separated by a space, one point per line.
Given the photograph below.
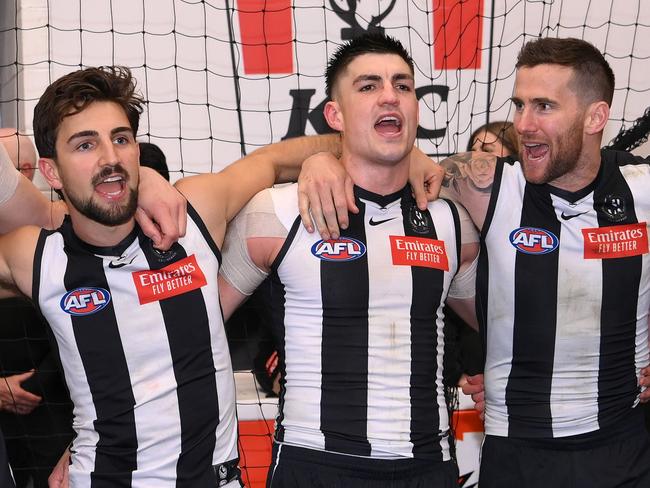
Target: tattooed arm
x=468 y=180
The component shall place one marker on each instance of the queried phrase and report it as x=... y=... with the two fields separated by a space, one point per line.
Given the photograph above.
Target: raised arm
x=218 y=197
x=254 y=239
x=21 y=203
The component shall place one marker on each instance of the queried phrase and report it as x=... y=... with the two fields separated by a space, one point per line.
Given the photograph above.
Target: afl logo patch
x=532 y=240
x=85 y=301
x=341 y=249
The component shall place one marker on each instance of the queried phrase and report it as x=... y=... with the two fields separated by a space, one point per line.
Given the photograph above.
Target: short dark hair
x=593 y=77
x=376 y=43
x=152 y=156
x=73 y=92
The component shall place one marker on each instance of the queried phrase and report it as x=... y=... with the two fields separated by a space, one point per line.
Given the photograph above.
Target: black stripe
x=100 y=347
x=427 y=288
x=188 y=331
x=528 y=390
x=192 y=213
x=498 y=176
x=617 y=382
x=344 y=395
x=36 y=267
x=277 y=302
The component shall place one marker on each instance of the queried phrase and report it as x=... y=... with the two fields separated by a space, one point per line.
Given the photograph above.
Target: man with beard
x=563 y=284
x=139 y=331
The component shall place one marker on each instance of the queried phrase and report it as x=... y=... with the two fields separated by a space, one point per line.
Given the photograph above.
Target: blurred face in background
x=487 y=141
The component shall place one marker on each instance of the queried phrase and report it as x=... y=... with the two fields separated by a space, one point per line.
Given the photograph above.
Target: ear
x=596 y=117
x=50 y=172
x=333 y=116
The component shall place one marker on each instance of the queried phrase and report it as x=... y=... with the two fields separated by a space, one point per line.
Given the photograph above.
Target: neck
x=583 y=174
x=97 y=234
x=382 y=179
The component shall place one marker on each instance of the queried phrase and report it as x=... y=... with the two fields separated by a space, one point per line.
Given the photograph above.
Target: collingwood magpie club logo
x=614 y=208
x=164 y=256
x=420 y=221
x=350 y=16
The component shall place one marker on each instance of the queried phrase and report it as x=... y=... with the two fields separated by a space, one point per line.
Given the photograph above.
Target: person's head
x=563 y=91
x=152 y=156
x=373 y=103
x=497 y=138
x=84 y=126
x=20 y=149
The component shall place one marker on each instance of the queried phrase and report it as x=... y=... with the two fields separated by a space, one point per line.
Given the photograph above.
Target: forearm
x=286 y=157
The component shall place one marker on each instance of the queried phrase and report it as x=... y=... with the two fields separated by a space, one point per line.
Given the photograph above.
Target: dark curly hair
x=73 y=92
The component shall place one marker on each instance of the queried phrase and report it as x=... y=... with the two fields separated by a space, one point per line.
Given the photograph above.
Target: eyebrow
x=534 y=100
x=373 y=77
x=94 y=133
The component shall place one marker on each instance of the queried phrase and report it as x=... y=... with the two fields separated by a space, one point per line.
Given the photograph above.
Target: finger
x=349 y=196
x=169 y=232
x=148 y=226
x=470 y=389
x=23 y=376
x=478 y=397
x=341 y=207
x=476 y=379
x=318 y=219
x=420 y=196
x=330 y=214
x=305 y=215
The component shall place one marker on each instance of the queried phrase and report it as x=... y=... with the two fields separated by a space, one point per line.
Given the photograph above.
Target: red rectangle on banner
x=458 y=34
x=617 y=241
x=266 y=36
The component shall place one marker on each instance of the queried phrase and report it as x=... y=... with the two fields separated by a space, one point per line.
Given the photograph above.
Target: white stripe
x=53 y=266
x=501 y=301
x=303 y=343
x=574 y=384
x=389 y=342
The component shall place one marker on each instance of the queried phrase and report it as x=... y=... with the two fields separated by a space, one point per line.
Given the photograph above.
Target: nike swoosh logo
x=114 y=265
x=377 y=222
x=569 y=217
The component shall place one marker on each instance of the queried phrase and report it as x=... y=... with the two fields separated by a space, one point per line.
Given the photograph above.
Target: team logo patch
x=618 y=241
x=532 y=240
x=85 y=301
x=614 y=208
x=419 y=251
x=420 y=221
x=177 y=278
x=341 y=249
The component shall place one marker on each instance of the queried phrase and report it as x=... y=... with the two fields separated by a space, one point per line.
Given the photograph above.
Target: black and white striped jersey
x=141 y=340
x=360 y=320
x=564 y=290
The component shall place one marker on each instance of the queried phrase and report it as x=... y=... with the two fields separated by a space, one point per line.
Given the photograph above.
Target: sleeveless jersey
x=141 y=340
x=359 y=322
x=564 y=291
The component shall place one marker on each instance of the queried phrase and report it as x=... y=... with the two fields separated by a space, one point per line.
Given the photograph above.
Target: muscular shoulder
x=17 y=250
